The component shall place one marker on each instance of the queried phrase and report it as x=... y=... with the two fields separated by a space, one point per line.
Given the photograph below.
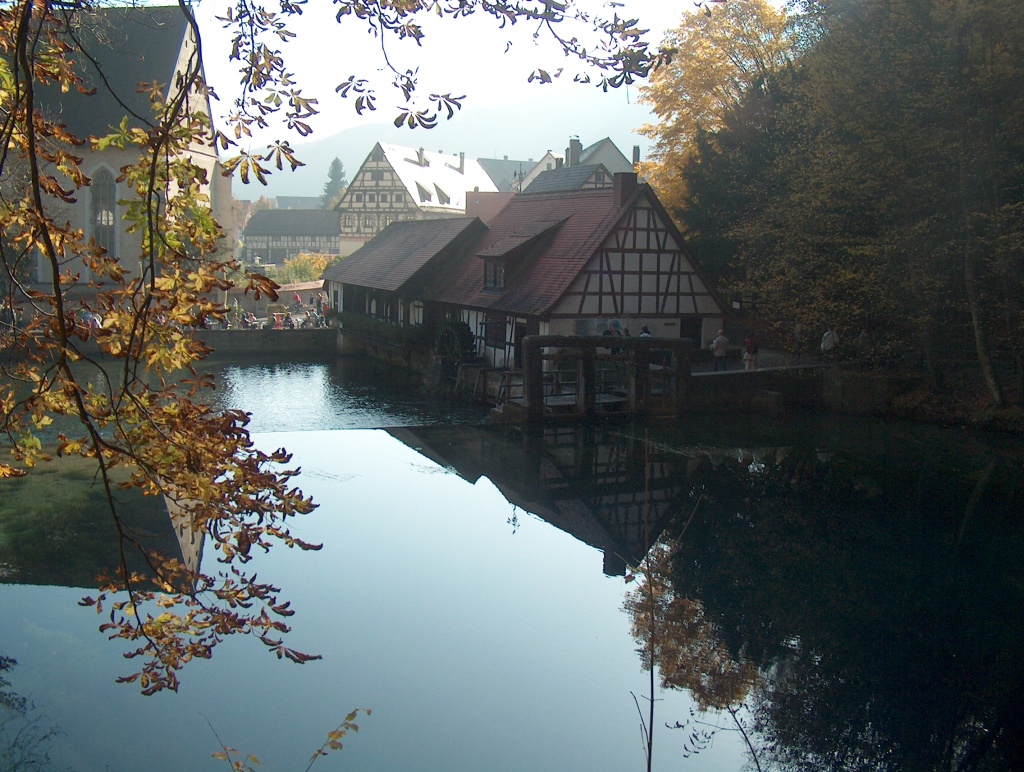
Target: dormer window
x=424 y=193
x=442 y=197
x=494 y=274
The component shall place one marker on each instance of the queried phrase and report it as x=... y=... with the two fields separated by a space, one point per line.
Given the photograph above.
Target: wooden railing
x=582 y=377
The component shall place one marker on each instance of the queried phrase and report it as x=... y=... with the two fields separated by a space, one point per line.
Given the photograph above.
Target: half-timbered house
x=555 y=262
x=571 y=263
x=275 y=235
x=398 y=183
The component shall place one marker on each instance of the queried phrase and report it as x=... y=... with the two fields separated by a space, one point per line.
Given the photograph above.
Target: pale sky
x=503 y=114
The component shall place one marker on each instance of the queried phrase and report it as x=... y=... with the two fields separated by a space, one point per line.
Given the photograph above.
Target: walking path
x=766 y=359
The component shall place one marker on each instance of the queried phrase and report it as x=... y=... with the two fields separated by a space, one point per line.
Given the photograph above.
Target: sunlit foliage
x=305 y=267
x=719 y=57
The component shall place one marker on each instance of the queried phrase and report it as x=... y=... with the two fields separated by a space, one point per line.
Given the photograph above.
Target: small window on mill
x=494 y=274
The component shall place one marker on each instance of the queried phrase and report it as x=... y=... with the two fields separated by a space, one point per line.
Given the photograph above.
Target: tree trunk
x=931 y=372
x=968 y=240
x=974 y=304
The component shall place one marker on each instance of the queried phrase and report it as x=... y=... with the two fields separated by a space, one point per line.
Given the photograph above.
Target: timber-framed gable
x=396 y=184
x=642 y=269
x=376 y=198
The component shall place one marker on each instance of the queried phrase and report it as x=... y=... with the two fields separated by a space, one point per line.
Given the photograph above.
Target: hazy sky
x=504 y=115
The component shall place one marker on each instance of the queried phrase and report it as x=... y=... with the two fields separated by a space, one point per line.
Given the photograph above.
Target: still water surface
x=857 y=586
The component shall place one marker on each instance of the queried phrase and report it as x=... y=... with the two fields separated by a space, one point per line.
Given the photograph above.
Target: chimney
x=572 y=153
x=558 y=163
x=623 y=187
x=636 y=156
x=421 y=158
x=461 y=168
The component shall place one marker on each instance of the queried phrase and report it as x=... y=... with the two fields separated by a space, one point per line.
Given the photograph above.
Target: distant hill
x=481 y=132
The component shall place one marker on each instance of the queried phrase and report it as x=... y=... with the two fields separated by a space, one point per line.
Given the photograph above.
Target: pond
x=856 y=587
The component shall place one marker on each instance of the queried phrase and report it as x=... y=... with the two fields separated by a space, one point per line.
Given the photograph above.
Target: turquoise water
x=471 y=586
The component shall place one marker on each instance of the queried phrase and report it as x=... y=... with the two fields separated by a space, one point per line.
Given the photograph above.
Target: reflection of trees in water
x=25 y=732
x=683 y=641
x=866 y=607
x=880 y=603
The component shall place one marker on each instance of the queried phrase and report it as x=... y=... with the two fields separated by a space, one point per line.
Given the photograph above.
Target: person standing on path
x=829 y=340
x=719 y=348
x=751 y=348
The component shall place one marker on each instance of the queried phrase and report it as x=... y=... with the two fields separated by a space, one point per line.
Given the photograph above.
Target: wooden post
x=533 y=379
x=586 y=398
x=641 y=367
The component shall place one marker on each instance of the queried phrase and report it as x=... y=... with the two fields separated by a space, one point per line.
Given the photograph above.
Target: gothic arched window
x=103 y=210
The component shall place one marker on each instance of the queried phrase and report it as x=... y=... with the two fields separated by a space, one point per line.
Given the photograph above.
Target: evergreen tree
x=336 y=183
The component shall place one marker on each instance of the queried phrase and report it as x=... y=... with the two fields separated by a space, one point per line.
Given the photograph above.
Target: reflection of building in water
x=609 y=489
x=56 y=527
x=190 y=540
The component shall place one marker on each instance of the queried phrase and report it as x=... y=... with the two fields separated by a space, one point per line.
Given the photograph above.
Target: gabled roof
x=607 y=152
x=124 y=47
x=506 y=174
x=586 y=218
x=520 y=237
x=566 y=179
x=294 y=222
x=298 y=202
x=437 y=182
x=395 y=254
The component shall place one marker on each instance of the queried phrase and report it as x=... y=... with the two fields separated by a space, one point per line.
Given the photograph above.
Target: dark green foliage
x=880 y=601
x=336 y=183
x=876 y=184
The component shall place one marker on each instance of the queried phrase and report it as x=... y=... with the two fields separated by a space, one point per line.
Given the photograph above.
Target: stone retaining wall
x=324 y=341
x=863 y=393
x=772 y=390
x=768 y=391
x=417 y=359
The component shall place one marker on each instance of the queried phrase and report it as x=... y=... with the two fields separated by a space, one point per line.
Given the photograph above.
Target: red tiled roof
x=587 y=217
x=392 y=257
x=512 y=241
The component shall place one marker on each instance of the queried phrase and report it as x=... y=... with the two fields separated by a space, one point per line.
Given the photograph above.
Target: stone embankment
x=319 y=342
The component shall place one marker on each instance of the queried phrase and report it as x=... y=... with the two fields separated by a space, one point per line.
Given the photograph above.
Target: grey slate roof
x=505 y=173
x=294 y=222
x=564 y=180
x=298 y=202
x=125 y=47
